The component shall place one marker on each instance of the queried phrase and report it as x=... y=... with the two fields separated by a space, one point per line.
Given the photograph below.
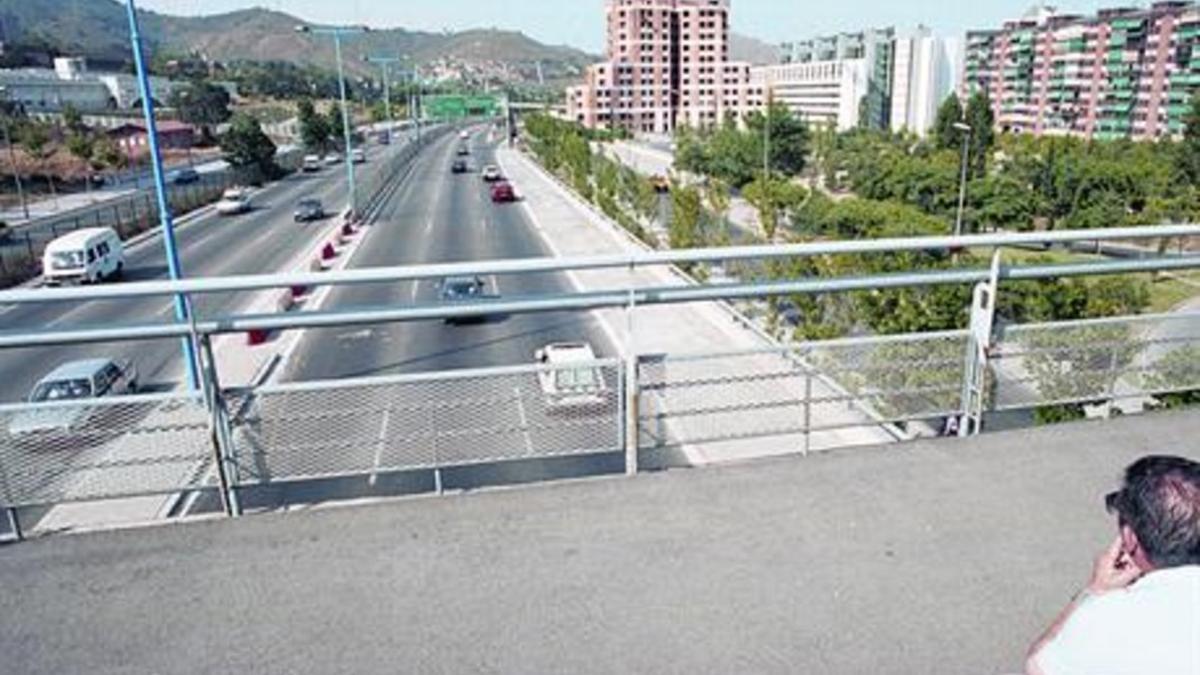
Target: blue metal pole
x=182 y=312
x=337 y=47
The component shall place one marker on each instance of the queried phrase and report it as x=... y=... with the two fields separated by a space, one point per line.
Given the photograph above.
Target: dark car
x=464 y=290
x=308 y=210
x=185 y=176
x=459 y=166
x=503 y=193
x=464 y=151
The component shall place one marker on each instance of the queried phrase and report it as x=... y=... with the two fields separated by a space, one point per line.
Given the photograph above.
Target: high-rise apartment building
x=877 y=79
x=1123 y=73
x=667 y=65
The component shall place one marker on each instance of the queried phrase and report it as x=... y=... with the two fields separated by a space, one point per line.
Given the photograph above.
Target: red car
x=503 y=193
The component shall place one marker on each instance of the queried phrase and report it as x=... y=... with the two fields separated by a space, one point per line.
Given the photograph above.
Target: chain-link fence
x=323 y=430
x=812 y=395
x=21 y=247
x=71 y=451
x=1125 y=361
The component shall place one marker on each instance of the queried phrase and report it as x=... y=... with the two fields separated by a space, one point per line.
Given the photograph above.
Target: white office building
x=925 y=72
x=822 y=93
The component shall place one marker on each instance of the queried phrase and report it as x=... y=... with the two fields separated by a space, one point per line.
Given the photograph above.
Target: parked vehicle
x=84 y=256
x=459 y=166
x=185 y=176
x=492 y=174
x=308 y=210
x=571 y=379
x=234 y=202
x=74 y=381
x=462 y=290
x=503 y=193
x=358 y=155
x=311 y=163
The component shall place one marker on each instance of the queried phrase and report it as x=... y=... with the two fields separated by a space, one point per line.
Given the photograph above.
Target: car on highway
x=358 y=155
x=185 y=176
x=74 y=381
x=308 y=210
x=311 y=164
x=86 y=256
x=464 y=290
x=459 y=166
x=333 y=159
x=491 y=174
x=570 y=377
x=660 y=183
x=464 y=135
x=464 y=151
x=383 y=137
x=503 y=193
x=234 y=202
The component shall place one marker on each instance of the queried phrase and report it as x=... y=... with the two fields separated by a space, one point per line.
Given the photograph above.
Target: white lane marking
x=524 y=421
x=6 y=309
x=383 y=434
x=416 y=287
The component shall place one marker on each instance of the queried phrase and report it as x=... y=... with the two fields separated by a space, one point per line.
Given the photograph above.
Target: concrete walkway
x=942 y=557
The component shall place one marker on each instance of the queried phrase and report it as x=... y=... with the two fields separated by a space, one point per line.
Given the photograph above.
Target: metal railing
x=799 y=398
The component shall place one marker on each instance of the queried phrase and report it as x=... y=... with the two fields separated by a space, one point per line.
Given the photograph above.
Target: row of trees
x=319 y=132
x=737 y=155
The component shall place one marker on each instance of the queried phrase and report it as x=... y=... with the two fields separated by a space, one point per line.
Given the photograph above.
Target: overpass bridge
x=275 y=439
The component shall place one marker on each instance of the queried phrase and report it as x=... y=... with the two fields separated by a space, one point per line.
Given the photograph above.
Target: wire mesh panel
x=85 y=450
x=1095 y=361
x=826 y=389
x=307 y=431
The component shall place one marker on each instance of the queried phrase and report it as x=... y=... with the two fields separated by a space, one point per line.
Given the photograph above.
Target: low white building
x=822 y=93
x=42 y=90
x=925 y=72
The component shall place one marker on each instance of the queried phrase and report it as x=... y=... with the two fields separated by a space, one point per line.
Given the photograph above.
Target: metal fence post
x=14 y=523
x=808 y=392
x=1113 y=376
x=631 y=385
x=222 y=435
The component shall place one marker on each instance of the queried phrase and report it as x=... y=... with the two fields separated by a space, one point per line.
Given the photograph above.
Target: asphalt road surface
x=264 y=240
x=435 y=217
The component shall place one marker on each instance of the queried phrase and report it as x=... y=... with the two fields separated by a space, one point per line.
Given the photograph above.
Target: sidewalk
x=938 y=558
x=571 y=229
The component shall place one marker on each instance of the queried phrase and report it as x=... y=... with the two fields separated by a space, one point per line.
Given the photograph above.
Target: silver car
x=72 y=382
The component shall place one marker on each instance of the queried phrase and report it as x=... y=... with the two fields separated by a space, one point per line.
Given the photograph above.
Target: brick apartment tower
x=668 y=65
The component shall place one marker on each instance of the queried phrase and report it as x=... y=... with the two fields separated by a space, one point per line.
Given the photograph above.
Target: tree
x=789 y=139
x=773 y=198
x=35 y=138
x=314 y=128
x=1188 y=152
x=202 y=104
x=72 y=120
x=82 y=146
x=246 y=146
x=945 y=135
x=337 y=126
x=685 y=230
x=982 y=121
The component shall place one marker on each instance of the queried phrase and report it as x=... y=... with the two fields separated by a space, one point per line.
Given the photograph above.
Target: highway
x=210 y=246
x=437 y=217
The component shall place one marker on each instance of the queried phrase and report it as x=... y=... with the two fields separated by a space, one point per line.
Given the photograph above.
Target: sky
x=580 y=23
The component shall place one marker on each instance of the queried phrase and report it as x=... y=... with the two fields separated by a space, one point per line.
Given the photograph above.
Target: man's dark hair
x=1160 y=501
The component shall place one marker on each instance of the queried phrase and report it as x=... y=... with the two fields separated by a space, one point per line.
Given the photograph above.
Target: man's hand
x=1114 y=570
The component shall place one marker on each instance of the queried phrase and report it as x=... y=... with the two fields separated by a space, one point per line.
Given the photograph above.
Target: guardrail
x=651 y=408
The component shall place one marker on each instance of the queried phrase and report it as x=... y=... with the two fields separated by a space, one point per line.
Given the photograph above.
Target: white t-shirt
x=1150 y=628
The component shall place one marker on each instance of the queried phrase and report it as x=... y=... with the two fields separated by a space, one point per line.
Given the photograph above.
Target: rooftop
x=934 y=557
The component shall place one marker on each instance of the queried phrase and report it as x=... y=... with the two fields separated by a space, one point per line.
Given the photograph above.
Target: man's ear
x=1129 y=542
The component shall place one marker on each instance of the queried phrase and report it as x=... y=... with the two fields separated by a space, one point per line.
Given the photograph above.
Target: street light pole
x=337 y=32
x=174 y=269
x=384 y=62
x=962 y=190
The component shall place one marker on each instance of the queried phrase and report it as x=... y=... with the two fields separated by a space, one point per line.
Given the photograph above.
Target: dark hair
x=1160 y=501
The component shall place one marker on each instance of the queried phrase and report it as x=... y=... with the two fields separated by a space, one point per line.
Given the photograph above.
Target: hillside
x=97 y=29
x=755 y=51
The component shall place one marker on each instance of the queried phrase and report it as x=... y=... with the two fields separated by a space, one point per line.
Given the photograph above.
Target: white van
x=84 y=256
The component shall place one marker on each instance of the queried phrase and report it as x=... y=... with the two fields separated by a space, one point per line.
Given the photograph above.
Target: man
x=1140 y=614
